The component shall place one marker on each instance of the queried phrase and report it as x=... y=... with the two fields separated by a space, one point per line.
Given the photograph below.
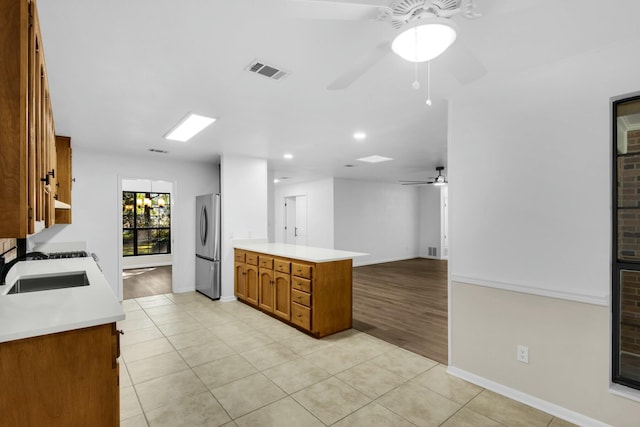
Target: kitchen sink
x=47 y=282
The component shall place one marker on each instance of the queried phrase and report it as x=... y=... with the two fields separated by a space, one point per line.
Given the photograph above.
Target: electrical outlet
x=523 y=354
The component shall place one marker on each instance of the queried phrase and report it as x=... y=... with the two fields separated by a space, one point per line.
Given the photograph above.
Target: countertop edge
x=34 y=333
x=268 y=248
x=46 y=312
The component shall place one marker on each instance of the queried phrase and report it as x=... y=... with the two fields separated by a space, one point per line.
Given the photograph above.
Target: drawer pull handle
x=299 y=315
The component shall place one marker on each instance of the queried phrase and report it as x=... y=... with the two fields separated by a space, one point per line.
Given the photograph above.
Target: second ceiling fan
x=440 y=179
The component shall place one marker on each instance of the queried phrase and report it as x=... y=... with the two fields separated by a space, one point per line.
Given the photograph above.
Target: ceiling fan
x=437 y=180
x=412 y=19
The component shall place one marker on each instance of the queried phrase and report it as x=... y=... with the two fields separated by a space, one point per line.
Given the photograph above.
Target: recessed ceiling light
x=188 y=127
x=288 y=156
x=375 y=159
x=275 y=181
x=359 y=136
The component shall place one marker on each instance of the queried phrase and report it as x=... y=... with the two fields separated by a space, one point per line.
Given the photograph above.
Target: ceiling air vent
x=156 y=150
x=260 y=67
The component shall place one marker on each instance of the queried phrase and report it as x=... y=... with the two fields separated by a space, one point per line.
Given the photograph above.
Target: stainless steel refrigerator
x=208 y=245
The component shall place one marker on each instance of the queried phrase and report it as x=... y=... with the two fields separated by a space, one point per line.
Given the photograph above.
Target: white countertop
x=305 y=253
x=31 y=314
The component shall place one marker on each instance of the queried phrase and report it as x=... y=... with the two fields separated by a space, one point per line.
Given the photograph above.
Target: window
x=146 y=223
x=626 y=242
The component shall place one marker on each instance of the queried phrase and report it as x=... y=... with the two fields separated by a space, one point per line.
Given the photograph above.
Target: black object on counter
x=26 y=257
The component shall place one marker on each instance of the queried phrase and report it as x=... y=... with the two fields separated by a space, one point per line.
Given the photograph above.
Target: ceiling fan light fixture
x=439 y=181
x=425 y=39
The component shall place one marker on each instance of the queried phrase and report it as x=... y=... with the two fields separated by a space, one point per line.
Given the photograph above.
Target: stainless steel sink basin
x=49 y=281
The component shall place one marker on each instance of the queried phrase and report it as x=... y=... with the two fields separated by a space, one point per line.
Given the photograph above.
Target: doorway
x=295 y=220
x=146 y=237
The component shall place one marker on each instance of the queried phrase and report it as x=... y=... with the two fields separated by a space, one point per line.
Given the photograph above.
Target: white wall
x=538 y=223
x=244 y=209
x=97 y=210
x=376 y=218
x=320 y=215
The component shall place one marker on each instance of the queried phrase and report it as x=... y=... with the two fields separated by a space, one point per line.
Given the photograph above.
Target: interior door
x=295 y=220
x=290 y=220
x=300 y=230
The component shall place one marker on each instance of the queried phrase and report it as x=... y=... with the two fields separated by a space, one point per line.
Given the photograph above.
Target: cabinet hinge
x=30 y=213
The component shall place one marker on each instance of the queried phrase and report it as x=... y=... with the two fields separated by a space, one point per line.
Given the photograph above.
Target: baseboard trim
x=381 y=261
x=576 y=295
x=183 y=290
x=527 y=399
x=147 y=265
x=228 y=299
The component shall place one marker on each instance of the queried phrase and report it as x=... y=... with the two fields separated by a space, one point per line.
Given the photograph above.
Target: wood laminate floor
x=404 y=303
x=144 y=282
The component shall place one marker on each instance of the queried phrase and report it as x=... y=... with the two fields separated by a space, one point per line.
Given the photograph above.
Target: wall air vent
x=433 y=251
x=271 y=71
x=156 y=150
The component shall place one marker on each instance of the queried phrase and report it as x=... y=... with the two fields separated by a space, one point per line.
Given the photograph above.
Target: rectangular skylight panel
x=188 y=127
x=374 y=159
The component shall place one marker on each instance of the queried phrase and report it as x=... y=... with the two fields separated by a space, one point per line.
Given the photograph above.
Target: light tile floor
x=190 y=361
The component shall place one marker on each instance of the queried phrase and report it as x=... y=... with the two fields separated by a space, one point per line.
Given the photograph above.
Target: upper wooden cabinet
x=28 y=166
x=63 y=178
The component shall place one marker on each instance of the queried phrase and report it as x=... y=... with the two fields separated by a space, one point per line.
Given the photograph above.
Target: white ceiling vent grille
x=271 y=71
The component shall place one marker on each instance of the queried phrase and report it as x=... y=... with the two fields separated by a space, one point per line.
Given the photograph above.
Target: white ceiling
x=122 y=73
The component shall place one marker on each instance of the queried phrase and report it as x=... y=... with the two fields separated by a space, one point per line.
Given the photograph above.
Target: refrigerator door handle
x=216 y=228
x=204 y=226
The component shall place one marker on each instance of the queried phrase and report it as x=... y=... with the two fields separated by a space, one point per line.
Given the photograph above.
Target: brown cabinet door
x=63 y=379
x=266 y=290
x=252 y=284
x=240 y=281
x=282 y=293
x=63 y=177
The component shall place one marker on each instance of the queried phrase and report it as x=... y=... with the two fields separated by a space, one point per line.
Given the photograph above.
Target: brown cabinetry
x=240 y=281
x=28 y=167
x=315 y=297
x=251 y=268
x=64 y=178
x=64 y=379
x=265 y=300
x=282 y=295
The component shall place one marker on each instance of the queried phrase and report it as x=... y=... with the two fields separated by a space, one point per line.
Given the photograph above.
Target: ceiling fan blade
x=415 y=183
x=463 y=64
x=362 y=66
x=316 y=9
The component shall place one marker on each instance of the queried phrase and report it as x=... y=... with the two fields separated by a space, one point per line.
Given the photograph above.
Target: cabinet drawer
x=240 y=256
x=301 y=270
x=282 y=266
x=265 y=262
x=301 y=316
x=301 y=297
x=301 y=284
x=251 y=259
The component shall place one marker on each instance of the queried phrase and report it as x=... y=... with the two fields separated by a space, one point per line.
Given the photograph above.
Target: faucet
x=4 y=268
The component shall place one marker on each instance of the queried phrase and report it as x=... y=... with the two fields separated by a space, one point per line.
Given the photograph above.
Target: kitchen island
x=307 y=287
x=59 y=348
